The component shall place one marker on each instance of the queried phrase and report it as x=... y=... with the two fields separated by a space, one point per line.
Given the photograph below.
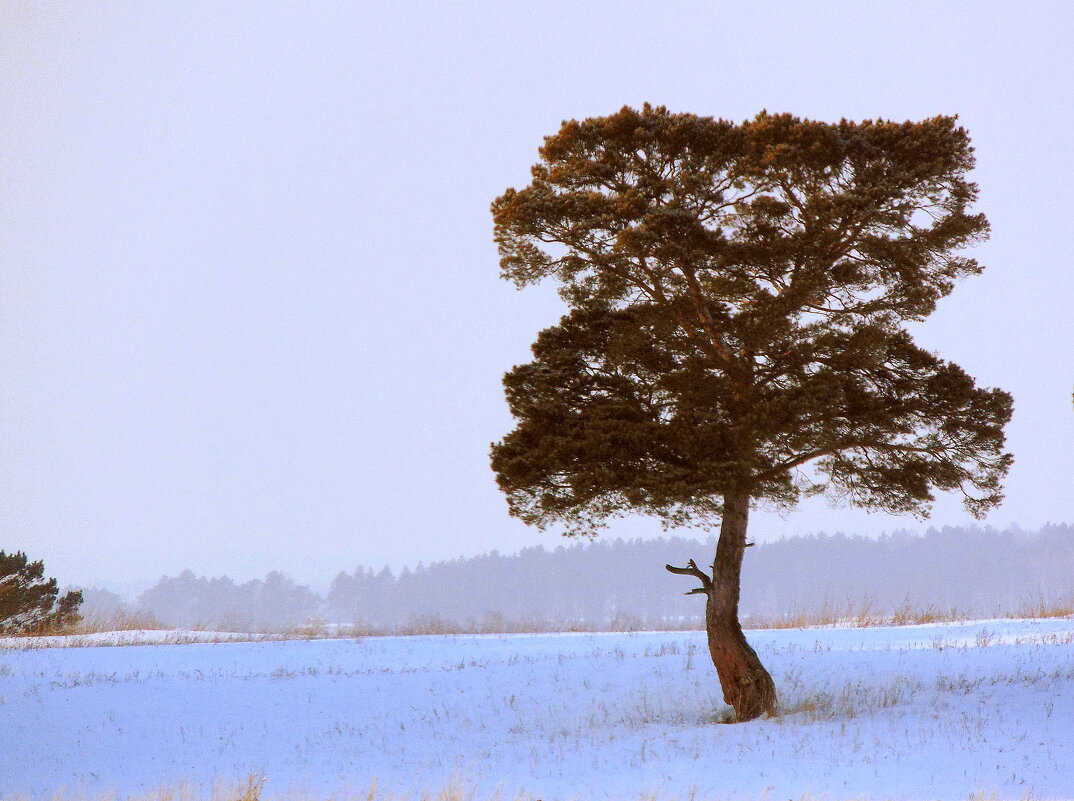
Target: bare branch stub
x=692 y=569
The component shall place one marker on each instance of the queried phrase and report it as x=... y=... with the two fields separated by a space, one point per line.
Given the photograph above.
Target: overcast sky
x=250 y=312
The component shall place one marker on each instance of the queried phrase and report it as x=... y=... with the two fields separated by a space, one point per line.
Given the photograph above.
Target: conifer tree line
x=980 y=572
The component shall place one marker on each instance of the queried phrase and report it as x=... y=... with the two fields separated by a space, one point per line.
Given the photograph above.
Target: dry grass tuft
x=1042 y=608
x=119 y=621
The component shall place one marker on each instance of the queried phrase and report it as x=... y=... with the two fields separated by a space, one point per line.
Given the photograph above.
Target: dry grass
x=253 y=790
x=96 y=624
x=119 y=621
x=862 y=615
x=1042 y=608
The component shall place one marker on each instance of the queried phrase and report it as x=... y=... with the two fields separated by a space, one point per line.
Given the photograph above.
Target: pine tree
x=28 y=601
x=736 y=335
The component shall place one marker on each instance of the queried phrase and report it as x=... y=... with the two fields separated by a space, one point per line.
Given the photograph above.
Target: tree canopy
x=737 y=297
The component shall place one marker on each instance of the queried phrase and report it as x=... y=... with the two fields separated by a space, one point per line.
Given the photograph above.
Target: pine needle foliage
x=30 y=603
x=737 y=297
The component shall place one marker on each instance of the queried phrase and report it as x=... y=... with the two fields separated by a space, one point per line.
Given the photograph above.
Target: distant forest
x=623 y=585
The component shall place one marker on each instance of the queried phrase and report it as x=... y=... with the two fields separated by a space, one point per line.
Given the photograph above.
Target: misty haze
x=961 y=573
x=322 y=323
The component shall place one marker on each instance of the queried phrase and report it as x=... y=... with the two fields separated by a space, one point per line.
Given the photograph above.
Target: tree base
x=747 y=687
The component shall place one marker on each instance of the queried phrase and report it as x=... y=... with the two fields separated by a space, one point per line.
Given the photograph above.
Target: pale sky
x=250 y=312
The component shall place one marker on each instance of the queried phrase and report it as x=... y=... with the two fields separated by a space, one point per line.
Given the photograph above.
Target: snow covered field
x=937 y=711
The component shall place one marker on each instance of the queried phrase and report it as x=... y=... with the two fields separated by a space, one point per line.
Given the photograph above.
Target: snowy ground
x=938 y=712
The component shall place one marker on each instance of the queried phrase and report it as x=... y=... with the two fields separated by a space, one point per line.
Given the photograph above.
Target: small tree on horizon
x=29 y=603
x=735 y=337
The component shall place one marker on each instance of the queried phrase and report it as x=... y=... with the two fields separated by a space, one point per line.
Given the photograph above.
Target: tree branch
x=704 y=317
x=692 y=569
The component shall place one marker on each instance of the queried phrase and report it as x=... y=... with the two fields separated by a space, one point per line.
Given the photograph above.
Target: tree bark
x=747 y=686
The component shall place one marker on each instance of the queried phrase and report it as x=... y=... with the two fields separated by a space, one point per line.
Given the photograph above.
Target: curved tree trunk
x=747 y=686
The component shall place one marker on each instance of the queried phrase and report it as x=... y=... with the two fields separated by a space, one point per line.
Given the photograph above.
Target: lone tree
x=737 y=295
x=28 y=601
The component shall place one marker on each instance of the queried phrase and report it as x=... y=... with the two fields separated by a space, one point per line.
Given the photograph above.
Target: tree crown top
x=835 y=219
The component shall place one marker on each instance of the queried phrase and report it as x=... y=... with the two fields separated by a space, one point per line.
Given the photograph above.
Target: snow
x=934 y=711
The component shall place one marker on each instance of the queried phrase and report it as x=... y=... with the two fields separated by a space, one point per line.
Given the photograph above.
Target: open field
x=939 y=711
